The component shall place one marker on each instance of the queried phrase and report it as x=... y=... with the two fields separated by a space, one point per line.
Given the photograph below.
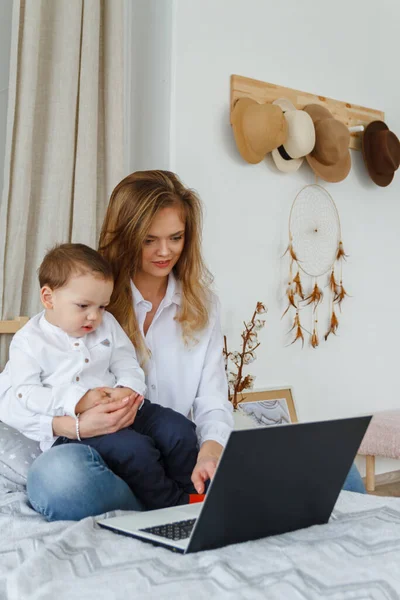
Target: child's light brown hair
x=65 y=260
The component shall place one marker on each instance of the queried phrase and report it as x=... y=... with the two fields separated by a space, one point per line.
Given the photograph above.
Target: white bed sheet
x=355 y=556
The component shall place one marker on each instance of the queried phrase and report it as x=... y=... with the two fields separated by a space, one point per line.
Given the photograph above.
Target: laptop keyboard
x=180 y=530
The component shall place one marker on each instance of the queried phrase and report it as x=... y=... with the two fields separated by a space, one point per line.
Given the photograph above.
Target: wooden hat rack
x=353 y=116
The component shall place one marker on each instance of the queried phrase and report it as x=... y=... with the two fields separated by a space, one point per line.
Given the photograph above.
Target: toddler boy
x=73 y=356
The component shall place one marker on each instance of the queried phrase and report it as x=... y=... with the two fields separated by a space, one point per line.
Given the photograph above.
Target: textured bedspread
x=356 y=555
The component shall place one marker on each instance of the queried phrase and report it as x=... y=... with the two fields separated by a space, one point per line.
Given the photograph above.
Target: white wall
x=349 y=52
x=148 y=50
x=5 y=43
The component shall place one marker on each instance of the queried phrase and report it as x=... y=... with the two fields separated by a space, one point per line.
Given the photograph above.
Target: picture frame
x=267 y=407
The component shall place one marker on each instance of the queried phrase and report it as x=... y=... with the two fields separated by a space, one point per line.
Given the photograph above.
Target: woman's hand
x=206 y=465
x=109 y=418
x=100 y=420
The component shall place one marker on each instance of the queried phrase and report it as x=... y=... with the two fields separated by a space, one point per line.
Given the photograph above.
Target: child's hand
x=120 y=393
x=93 y=398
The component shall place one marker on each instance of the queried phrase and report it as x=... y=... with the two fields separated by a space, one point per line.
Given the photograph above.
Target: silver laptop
x=268 y=481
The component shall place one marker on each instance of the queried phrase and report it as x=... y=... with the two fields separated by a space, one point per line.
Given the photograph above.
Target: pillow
x=17 y=453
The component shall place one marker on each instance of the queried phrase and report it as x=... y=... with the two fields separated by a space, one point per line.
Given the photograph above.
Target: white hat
x=300 y=139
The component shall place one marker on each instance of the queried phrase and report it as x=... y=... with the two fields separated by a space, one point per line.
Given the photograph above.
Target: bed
x=355 y=555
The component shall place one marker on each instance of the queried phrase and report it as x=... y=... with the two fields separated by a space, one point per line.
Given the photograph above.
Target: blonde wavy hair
x=134 y=203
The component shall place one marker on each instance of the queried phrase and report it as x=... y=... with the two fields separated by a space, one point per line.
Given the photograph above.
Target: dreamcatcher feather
x=315 y=249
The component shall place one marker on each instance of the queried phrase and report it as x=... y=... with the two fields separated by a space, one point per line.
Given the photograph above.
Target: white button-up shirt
x=189 y=379
x=49 y=372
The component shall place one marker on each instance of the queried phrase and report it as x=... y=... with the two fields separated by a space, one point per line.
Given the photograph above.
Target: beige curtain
x=64 y=148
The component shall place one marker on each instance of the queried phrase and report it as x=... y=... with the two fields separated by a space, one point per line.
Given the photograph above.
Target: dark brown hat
x=330 y=158
x=381 y=151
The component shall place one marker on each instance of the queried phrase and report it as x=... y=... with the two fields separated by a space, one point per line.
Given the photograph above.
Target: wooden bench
x=382 y=439
x=12 y=326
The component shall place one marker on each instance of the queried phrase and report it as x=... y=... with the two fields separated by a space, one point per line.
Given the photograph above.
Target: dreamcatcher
x=316 y=251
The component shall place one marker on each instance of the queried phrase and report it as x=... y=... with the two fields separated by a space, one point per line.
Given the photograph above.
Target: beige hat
x=300 y=139
x=258 y=128
x=330 y=158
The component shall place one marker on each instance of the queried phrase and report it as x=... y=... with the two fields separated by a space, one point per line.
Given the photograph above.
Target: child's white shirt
x=48 y=373
x=187 y=378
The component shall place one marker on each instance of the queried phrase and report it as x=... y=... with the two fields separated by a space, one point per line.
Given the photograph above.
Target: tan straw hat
x=300 y=139
x=330 y=158
x=381 y=152
x=258 y=128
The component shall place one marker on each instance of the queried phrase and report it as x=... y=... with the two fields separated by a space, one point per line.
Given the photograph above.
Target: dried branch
x=237 y=381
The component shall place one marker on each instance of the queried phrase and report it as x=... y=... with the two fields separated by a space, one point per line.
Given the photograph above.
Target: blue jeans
x=72 y=482
x=353 y=482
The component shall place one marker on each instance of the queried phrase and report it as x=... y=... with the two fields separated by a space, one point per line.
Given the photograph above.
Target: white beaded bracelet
x=78 y=437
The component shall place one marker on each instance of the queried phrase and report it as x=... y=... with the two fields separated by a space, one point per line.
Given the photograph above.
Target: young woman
x=151 y=236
